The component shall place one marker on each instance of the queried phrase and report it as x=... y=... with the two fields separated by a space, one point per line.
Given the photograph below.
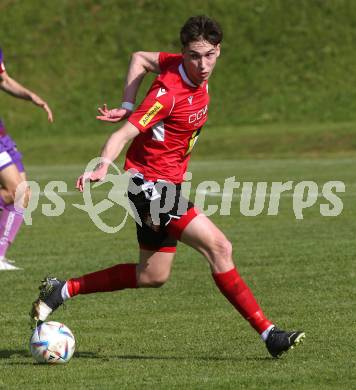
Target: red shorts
x=161 y=212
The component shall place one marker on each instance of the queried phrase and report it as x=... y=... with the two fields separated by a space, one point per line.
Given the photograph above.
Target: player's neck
x=191 y=79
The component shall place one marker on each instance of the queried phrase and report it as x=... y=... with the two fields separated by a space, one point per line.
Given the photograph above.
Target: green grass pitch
x=283 y=108
x=186 y=335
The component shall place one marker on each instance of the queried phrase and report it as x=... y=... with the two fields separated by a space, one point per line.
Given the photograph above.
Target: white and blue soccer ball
x=52 y=342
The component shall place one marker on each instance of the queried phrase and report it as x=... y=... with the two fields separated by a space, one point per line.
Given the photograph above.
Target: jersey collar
x=185 y=77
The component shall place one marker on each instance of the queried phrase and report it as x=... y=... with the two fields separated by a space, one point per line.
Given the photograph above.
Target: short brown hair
x=201 y=27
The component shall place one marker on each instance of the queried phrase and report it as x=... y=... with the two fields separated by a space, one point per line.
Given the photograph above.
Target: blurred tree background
x=283 y=62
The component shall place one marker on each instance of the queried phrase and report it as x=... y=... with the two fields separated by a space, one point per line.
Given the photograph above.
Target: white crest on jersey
x=190 y=99
x=161 y=92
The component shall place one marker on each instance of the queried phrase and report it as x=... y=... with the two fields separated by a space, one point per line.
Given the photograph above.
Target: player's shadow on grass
x=9 y=353
x=95 y=355
x=196 y=358
x=13 y=353
x=86 y=355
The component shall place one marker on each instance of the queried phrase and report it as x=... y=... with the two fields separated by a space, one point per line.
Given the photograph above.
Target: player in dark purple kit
x=12 y=172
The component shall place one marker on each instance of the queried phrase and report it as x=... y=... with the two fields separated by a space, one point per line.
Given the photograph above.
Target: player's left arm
x=142 y=62
x=110 y=151
x=14 y=88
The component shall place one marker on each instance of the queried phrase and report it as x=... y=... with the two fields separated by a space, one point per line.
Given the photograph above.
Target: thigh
x=9 y=154
x=200 y=233
x=204 y=236
x=10 y=163
x=10 y=177
x=154 y=266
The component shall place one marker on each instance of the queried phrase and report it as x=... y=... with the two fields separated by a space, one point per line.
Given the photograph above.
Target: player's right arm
x=142 y=62
x=109 y=153
x=14 y=88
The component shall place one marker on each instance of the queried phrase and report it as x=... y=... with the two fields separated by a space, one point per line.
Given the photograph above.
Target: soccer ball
x=52 y=342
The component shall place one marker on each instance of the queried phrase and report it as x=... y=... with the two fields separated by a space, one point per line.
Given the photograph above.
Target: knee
x=221 y=248
x=152 y=280
x=19 y=194
x=158 y=282
x=14 y=190
x=226 y=249
x=10 y=194
x=219 y=255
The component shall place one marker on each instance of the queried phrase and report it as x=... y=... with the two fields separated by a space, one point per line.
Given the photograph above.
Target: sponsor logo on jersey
x=192 y=141
x=198 y=115
x=190 y=100
x=150 y=114
x=161 y=92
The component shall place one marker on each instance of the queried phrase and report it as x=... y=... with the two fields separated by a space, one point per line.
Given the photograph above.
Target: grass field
x=185 y=335
x=283 y=108
x=281 y=60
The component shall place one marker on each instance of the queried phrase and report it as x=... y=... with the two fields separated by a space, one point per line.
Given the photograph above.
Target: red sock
x=240 y=296
x=119 y=277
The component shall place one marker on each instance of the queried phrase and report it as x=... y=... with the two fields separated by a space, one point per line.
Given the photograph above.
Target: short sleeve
x=156 y=106
x=167 y=60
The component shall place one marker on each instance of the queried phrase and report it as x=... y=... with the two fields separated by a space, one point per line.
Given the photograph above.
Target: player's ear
x=217 y=48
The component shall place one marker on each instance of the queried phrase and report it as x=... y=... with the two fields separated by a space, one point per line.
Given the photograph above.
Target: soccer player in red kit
x=163 y=131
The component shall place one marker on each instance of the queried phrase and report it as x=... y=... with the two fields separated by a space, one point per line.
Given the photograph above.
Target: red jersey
x=169 y=119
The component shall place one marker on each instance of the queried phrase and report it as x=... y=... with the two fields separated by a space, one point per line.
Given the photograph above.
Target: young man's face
x=199 y=59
